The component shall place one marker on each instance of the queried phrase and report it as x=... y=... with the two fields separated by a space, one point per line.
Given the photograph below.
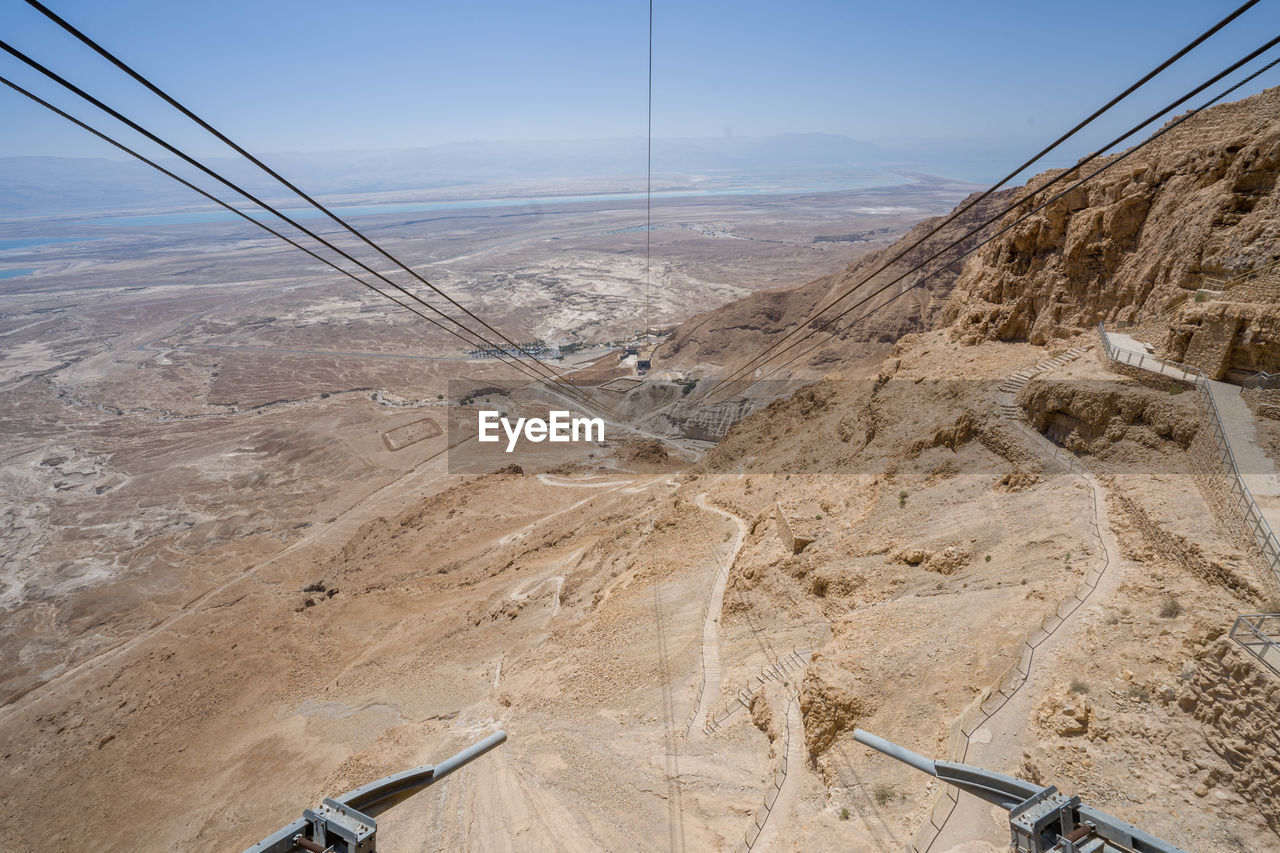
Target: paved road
x=1131 y=344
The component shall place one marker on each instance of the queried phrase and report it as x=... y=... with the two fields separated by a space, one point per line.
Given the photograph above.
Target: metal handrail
x=1263 y=535
x=1262 y=380
x=1013 y=678
x=1114 y=352
x=1242 y=621
x=1026 y=803
x=1242 y=278
x=754 y=829
x=796 y=658
x=1259 y=643
x=1260 y=625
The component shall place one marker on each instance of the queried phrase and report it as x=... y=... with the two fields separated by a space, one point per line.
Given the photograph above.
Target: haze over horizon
x=315 y=78
x=42 y=185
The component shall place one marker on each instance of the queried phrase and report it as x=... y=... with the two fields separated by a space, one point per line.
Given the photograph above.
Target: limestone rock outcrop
x=1089 y=418
x=1194 y=206
x=1227 y=339
x=729 y=333
x=831 y=701
x=1235 y=700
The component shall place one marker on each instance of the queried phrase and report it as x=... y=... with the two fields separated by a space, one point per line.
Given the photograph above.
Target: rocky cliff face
x=729 y=334
x=1194 y=206
x=1233 y=333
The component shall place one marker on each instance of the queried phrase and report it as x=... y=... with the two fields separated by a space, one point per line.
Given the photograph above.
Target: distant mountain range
x=33 y=186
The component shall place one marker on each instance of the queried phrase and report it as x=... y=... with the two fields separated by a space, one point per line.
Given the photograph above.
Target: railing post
x=1263 y=535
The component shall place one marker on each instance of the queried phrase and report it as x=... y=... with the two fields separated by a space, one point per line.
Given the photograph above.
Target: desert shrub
x=1078 y=686
x=1139 y=692
x=883 y=793
x=1170 y=608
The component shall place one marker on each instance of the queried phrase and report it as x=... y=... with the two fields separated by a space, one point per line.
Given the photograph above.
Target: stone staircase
x=1014 y=383
x=789 y=663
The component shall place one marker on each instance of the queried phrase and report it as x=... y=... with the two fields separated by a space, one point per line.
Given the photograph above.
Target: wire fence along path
x=793 y=661
x=1263 y=381
x=752 y=836
x=1259 y=634
x=989 y=703
x=1254 y=521
x=709 y=658
x=1248 y=630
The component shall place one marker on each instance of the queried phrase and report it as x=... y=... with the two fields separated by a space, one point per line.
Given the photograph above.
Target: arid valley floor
x=240 y=575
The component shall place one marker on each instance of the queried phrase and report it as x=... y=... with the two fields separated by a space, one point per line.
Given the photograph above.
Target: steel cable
x=119 y=63
x=1032 y=212
x=126 y=149
x=752 y=363
x=1029 y=196
x=569 y=388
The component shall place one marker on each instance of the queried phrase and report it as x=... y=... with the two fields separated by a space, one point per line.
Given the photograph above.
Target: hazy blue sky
x=316 y=75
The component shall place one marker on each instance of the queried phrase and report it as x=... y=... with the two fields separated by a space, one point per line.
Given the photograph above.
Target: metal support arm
x=1041 y=820
x=345 y=824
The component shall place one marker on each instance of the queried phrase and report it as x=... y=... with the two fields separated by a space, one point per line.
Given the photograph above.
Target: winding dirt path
x=771 y=835
x=999 y=743
x=564 y=483
x=576 y=482
x=712 y=674
x=526 y=589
